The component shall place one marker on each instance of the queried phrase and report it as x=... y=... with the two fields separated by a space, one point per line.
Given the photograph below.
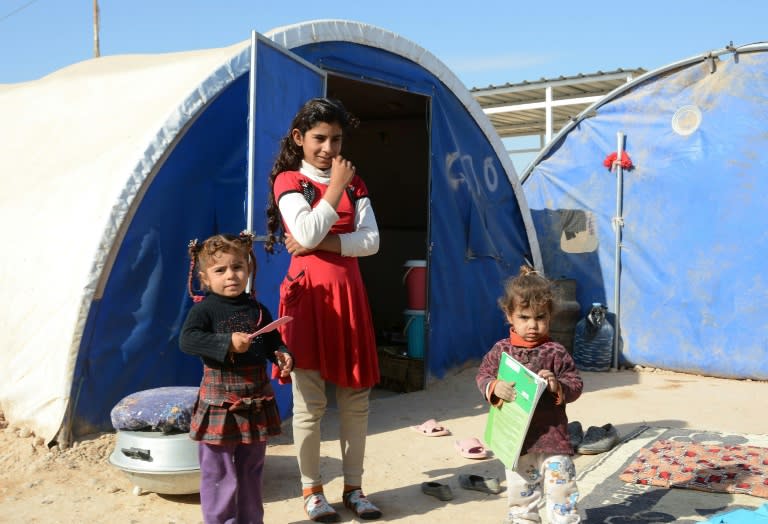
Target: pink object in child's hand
x=271 y=326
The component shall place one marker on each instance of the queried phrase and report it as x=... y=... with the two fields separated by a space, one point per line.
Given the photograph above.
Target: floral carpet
x=703 y=465
x=606 y=498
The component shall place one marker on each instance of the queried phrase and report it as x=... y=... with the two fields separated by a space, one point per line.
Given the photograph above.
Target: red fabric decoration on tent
x=626 y=162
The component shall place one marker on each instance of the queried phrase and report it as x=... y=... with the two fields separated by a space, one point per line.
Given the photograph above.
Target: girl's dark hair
x=201 y=254
x=289 y=157
x=528 y=289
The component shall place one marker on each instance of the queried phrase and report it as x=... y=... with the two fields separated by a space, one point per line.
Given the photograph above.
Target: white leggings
x=542 y=481
x=309 y=403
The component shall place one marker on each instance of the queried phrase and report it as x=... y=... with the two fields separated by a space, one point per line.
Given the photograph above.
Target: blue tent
x=687 y=278
x=144 y=153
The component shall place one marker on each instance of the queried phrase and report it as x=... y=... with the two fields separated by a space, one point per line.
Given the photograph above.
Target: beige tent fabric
x=75 y=148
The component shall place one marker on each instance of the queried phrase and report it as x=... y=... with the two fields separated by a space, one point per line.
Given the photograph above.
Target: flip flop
x=471 y=448
x=431 y=428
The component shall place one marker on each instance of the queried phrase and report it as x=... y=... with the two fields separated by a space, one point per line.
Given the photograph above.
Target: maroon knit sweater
x=548 y=432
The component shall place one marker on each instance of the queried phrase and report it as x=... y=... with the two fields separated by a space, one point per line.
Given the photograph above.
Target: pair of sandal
x=319 y=510
x=470 y=448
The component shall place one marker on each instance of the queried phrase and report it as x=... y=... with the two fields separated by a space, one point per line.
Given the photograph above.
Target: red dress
x=332 y=330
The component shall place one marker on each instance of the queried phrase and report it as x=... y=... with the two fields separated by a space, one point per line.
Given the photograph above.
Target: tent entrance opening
x=391 y=151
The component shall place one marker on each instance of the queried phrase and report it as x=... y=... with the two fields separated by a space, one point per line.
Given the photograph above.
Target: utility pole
x=96 y=51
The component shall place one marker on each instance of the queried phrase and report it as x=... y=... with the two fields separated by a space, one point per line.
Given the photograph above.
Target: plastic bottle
x=593 y=340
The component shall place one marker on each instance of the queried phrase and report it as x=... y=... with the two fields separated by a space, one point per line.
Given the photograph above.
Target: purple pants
x=230 y=483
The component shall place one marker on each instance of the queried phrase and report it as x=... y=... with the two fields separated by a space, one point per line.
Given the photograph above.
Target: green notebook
x=506 y=427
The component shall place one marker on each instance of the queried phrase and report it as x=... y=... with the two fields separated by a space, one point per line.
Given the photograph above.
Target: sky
x=483 y=43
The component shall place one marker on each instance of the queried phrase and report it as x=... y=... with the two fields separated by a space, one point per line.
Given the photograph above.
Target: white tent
x=76 y=147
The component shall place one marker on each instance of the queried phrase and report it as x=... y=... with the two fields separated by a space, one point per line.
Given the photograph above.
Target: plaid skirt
x=235 y=406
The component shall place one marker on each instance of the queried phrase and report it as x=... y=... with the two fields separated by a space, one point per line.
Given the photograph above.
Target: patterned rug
x=715 y=466
x=606 y=498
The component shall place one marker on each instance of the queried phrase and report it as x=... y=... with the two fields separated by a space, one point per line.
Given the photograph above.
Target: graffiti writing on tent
x=479 y=239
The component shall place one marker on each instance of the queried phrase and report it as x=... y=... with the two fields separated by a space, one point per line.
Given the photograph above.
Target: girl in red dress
x=320 y=208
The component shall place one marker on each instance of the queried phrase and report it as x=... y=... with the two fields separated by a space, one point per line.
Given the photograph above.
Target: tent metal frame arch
x=318 y=31
x=291 y=36
x=587 y=113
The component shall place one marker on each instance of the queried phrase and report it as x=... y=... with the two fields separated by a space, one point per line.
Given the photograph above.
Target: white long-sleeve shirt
x=309 y=226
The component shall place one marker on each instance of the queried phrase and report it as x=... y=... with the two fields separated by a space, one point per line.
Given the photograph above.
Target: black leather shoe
x=598 y=440
x=575 y=434
x=478 y=483
x=441 y=491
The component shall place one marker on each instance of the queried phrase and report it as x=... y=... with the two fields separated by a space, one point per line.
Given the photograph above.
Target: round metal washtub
x=158 y=462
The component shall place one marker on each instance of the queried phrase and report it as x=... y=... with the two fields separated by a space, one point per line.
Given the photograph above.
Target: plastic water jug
x=593 y=340
x=414 y=328
x=415 y=280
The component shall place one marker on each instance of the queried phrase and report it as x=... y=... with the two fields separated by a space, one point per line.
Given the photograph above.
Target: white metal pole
x=548 y=125
x=251 y=141
x=251 y=132
x=618 y=225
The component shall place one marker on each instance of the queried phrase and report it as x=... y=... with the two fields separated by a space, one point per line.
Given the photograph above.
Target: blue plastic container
x=414 y=330
x=593 y=340
x=741 y=516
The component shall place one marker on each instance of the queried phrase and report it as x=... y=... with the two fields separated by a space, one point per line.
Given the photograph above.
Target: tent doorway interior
x=391 y=150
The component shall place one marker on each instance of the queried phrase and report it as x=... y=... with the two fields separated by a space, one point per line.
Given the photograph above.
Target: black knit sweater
x=207 y=331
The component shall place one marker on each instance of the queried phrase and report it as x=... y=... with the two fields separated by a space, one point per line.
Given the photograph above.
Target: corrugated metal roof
x=520 y=109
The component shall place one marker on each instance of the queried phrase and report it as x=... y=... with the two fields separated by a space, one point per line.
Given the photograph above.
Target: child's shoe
x=599 y=439
x=318 y=509
x=359 y=503
x=575 y=434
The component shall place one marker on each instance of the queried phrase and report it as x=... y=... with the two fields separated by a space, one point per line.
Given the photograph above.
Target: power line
x=17 y=10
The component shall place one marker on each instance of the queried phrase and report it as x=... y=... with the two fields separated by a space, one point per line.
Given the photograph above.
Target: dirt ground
x=78 y=485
